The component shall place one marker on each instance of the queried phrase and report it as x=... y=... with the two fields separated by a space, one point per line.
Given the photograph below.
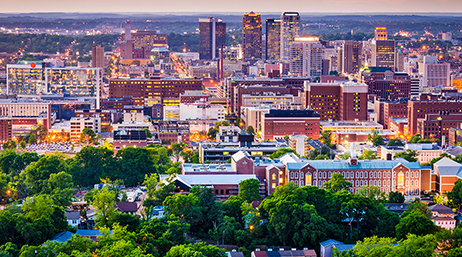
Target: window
x=296 y=174
x=296 y=182
x=330 y=175
x=301 y=183
x=365 y=174
x=365 y=183
x=394 y=174
x=375 y=174
x=324 y=175
x=380 y=174
x=361 y=183
x=348 y=174
x=407 y=174
x=416 y=174
x=314 y=175
x=273 y=185
x=273 y=177
x=361 y=175
x=389 y=174
x=380 y=183
x=308 y=178
x=412 y=182
x=301 y=174
x=343 y=174
x=371 y=174
x=357 y=174
x=407 y=183
x=291 y=175
x=315 y=183
x=357 y=182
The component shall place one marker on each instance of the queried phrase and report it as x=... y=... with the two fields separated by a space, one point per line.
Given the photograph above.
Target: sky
x=303 y=6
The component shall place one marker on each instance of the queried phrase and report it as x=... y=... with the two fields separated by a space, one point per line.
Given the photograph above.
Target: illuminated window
x=273 y=177
x=400 y=179
x=308 y=179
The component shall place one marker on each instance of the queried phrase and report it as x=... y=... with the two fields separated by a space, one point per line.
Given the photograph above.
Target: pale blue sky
x=452 y=6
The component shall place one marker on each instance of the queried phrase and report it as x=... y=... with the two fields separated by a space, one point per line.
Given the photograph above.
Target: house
x=73 y=218
x=442 y=216
x=127 y=207
x=294 y=252
x=328 y=245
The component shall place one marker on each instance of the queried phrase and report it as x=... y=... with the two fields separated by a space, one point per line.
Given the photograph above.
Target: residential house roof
x=330 y=242
x=440 y=209
x=72 y=215
x=127 y=206
x=239 y=155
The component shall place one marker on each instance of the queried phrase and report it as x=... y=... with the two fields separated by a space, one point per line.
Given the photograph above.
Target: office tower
x=305 y=57
x=382 y=49
x=212 y=35
x=381 y=33
x=251 y=35
x=25 y=79
x=433 y=73
x=273 y=39
x=351 y=56
x=97 y=56
x=290 y=29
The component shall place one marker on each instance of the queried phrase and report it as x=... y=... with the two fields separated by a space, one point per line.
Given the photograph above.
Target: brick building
x=278 y=123
x=417 y=109
x=5 y=129
x=152 y=91
x=385 y=83
x=117 y=103
x=388 y=109
x=337 y=101
x=437 y=125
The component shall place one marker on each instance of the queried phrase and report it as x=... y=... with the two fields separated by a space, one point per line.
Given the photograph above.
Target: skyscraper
x=251 y=35
x=273 y=39
x=212 y=35
x=306 y=56
x=382 y=49
x=290 y=29
x=351 y=56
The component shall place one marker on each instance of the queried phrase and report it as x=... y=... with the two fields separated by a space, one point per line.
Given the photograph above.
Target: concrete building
x=202 y=110
x=434 y=73
x=337 y=101
x=306 y=56
x=388 y=109
x=97 y=56
x=382 y=49
x=78 y=124
x=351 y=57
x=252 y=116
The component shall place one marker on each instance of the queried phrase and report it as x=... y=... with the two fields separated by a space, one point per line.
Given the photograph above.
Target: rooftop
x=345 y=164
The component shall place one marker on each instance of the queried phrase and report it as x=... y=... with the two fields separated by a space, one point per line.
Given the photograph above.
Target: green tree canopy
x=249 y=190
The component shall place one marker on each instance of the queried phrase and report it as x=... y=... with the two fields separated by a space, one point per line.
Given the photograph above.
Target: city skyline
x=145 y=6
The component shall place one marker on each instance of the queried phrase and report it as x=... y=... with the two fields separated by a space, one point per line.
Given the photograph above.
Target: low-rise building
x=280 y=123
x=442 y=216
x=78 y=124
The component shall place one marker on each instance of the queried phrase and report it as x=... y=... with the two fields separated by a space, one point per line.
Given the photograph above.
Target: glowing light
x=306 y=39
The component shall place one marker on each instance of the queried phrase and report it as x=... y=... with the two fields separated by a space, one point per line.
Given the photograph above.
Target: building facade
x=273 y=39
x=290 y=29
x=212 y=35
x=279 y=123
x=305 y=56
x=251 y=35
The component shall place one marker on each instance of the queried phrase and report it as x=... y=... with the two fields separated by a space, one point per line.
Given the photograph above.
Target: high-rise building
x=290 y=29
x=97 y=56
x=433 y=73
x=385 y=83
x=251 y=35
x=306 y=56
x=273 y=39
x=351 y=56
x=212 y=35
x=399 y=60
x=382 y=49
x=25 y=79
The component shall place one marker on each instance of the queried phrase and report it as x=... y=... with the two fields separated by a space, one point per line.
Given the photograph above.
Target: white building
x=306 y=56
x=433 y=73
x=298 y=143
x=78 y=124
x=201 y=110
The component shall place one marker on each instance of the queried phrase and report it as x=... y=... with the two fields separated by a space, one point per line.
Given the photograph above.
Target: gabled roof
x=236 y=254
x=454 y=151
x=239 y=155
x=441 y=209
x=330 y=242
x=127 y=206
x=72 y=215
x=447 y=162
x=289 y=157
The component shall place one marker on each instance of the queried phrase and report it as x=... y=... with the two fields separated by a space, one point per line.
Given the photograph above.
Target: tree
x=22 y=144
x=455 y=196
x=281 y=152
x=32 y=139
x=395 y=142
x=9 y=145
x=367 y=155
x=409 y=155
x=186 y=207
x=177 y=150
x=148 y=133
x=91 y=164
x=326 y=138
x=104 y=203
x=250 y=130
x=438 y=199
x=196 y=250
x=37 y=207
x=151 y=182
x=337 y=183
x=88 y=136
x=375 y=138
x=372 y=192
x=415 y=223
x=395 y=197
x=417 y=139
x=249 y=190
